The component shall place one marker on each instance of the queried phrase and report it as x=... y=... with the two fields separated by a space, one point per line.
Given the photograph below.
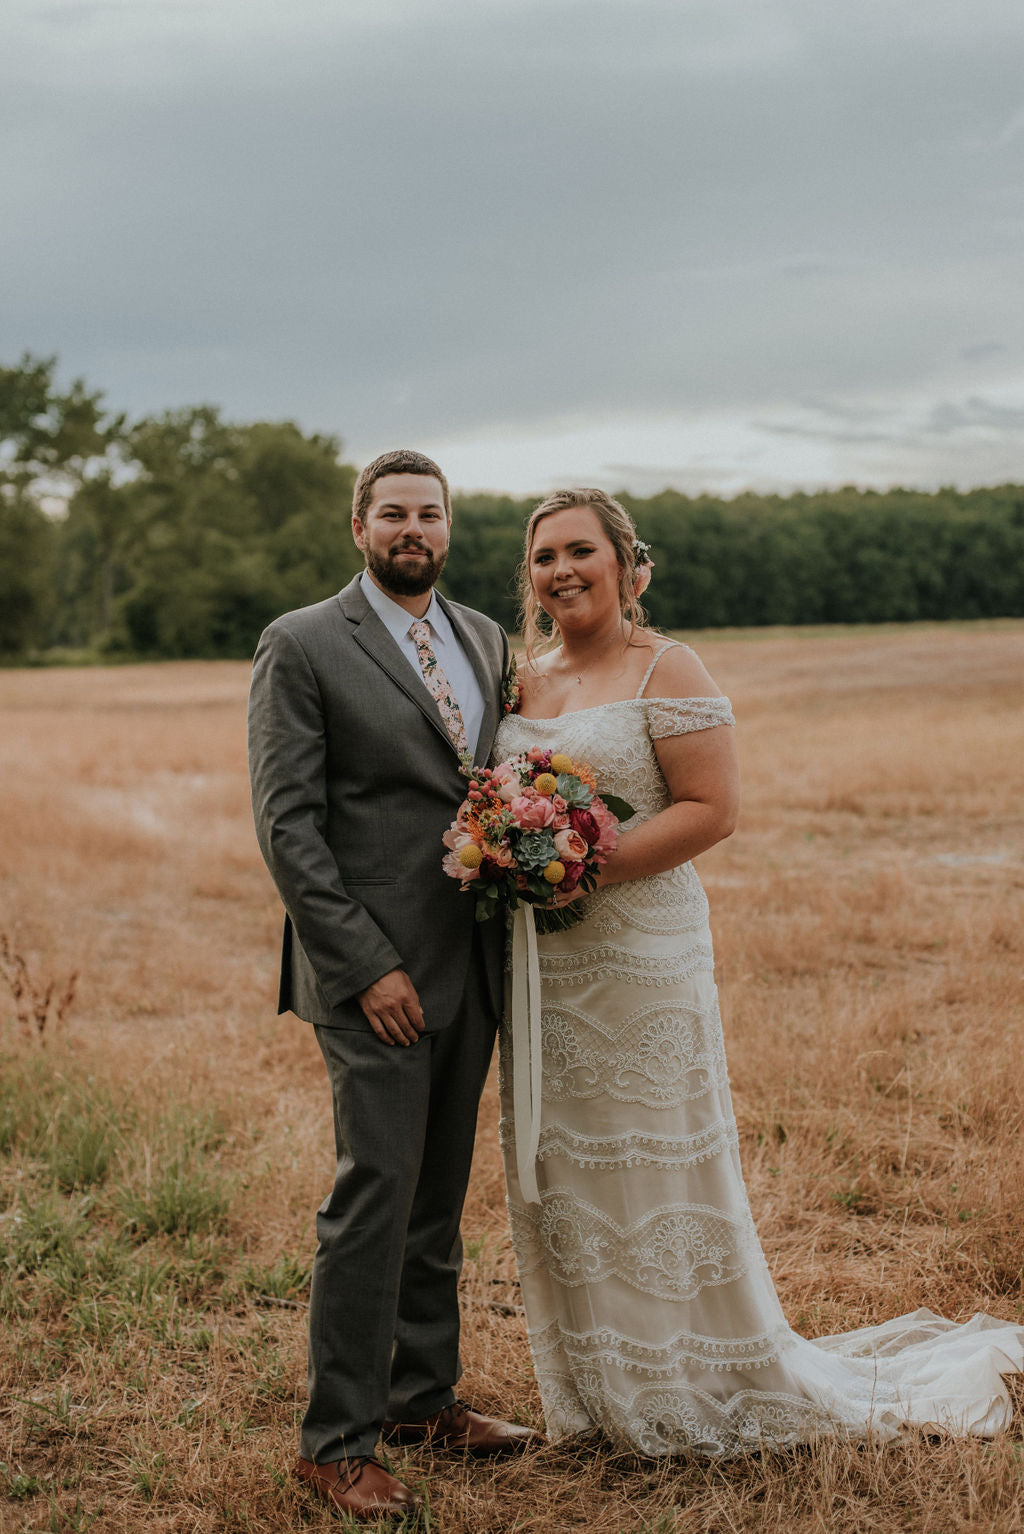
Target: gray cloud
x=409 y=221
x=948 y=417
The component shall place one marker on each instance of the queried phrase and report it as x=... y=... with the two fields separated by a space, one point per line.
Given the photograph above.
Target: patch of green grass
x=285 y=1279
x=82 y=1141
x=17 y=1485
x=150 y=1475
x=66 y=1520
x=177 y=1192
x=178 y=1198
x=43 y=1233
x=27 y=1093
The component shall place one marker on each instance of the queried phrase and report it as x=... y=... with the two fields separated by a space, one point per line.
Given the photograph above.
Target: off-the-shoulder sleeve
x=680 y=716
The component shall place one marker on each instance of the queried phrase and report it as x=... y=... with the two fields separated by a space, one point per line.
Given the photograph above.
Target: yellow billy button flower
x=554 y=873
x=546 y=783
x=561 y=763
x=470 y=855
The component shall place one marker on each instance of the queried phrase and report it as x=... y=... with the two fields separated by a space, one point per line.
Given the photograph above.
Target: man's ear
x=358 y=533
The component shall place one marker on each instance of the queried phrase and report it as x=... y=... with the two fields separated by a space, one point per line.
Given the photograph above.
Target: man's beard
x=411 y=582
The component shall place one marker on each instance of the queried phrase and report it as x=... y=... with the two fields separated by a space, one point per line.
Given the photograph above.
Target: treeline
x=182 y=535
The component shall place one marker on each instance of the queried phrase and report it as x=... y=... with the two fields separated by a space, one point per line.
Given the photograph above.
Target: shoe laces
x=449 y=1413
x=354 y=1468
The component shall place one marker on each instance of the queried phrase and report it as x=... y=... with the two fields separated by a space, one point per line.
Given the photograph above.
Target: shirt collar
x=397 y=618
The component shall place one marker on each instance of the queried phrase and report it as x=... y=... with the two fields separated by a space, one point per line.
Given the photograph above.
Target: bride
x=651 y=1311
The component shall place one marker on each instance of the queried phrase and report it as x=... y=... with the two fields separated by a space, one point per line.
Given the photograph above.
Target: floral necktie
x=438 y=685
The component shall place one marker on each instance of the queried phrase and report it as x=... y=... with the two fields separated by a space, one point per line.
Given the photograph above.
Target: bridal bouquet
x=528 y=829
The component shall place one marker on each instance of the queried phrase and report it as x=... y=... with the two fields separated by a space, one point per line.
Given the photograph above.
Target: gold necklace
x=590 y=665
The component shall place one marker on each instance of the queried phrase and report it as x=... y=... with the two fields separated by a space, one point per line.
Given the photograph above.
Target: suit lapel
x=372 y=636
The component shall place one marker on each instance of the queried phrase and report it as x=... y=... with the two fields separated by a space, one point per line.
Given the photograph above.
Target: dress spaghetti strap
x=671 y=644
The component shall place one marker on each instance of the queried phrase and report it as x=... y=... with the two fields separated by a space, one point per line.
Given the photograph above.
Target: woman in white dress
x=651 y=1312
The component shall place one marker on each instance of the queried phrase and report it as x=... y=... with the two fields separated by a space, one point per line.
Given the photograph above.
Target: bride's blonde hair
x=618 y=527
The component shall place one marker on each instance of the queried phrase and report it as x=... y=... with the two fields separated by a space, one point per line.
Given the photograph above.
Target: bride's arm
x=702 y=775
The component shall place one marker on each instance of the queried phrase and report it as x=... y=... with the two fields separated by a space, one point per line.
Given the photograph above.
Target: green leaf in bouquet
x=488 y=901
x=620 y=808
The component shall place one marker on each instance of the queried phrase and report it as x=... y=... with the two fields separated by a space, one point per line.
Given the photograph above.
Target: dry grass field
x=164 y=1138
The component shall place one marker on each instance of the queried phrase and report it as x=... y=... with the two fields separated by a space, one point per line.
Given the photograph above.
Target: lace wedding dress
x=651 y=1311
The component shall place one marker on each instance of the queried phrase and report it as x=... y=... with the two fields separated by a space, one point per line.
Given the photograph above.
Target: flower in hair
x=643 y=564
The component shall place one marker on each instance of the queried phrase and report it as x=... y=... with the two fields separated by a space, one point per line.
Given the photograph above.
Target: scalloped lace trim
x=672 y=1152
x=672 y=1252
x=675 y=1419
x=686 y=1348
x=606 y=961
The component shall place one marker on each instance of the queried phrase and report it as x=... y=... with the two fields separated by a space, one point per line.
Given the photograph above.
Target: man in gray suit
x=359 y=709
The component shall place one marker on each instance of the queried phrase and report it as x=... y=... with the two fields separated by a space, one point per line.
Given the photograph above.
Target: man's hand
x=393 y=1009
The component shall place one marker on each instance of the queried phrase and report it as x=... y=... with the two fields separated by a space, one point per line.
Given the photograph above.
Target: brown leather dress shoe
x=459 y=1427
x=359 y=1487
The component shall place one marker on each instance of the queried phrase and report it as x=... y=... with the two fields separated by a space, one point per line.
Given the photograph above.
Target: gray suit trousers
x=384 y=1314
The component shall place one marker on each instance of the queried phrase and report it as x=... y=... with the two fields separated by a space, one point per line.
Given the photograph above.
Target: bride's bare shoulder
x=679 y=672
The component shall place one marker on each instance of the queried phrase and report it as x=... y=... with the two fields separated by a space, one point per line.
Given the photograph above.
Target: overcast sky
x=633 y=243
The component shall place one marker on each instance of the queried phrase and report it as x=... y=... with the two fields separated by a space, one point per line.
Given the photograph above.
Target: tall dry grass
x=162 y=1148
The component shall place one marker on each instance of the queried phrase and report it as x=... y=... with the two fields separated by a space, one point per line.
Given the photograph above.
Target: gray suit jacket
x=354 y=780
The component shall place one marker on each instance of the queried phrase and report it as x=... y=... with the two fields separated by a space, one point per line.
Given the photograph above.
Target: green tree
x=51 y=443
x=221 y=528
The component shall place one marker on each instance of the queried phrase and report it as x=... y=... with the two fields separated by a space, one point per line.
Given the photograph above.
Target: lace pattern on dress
x=672 y=1252
x=605 y=961
x=662 y=1055
x=635 y=1148
x=682 y=716
x=661 y=904
x=607 y=1346
x=676 y=1419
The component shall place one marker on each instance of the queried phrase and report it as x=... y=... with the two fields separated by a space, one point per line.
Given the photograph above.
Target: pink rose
x=505 y=781
x=584 y=822
x=536 y=754
x=559 y=803
x=532 y=813
x=570 y=847
x=560 y=822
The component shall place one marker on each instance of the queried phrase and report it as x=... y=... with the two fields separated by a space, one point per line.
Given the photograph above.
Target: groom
x=359 y=709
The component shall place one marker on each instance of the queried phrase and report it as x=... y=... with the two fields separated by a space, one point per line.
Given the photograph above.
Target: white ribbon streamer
x=526 y=1048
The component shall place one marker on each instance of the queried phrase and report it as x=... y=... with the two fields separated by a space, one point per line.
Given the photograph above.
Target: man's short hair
x=403 y=460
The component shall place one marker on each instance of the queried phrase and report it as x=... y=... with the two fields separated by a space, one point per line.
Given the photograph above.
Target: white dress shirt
x=450 y=655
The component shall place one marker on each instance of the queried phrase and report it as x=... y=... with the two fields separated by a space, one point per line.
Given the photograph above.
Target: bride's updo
x=620 y=530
